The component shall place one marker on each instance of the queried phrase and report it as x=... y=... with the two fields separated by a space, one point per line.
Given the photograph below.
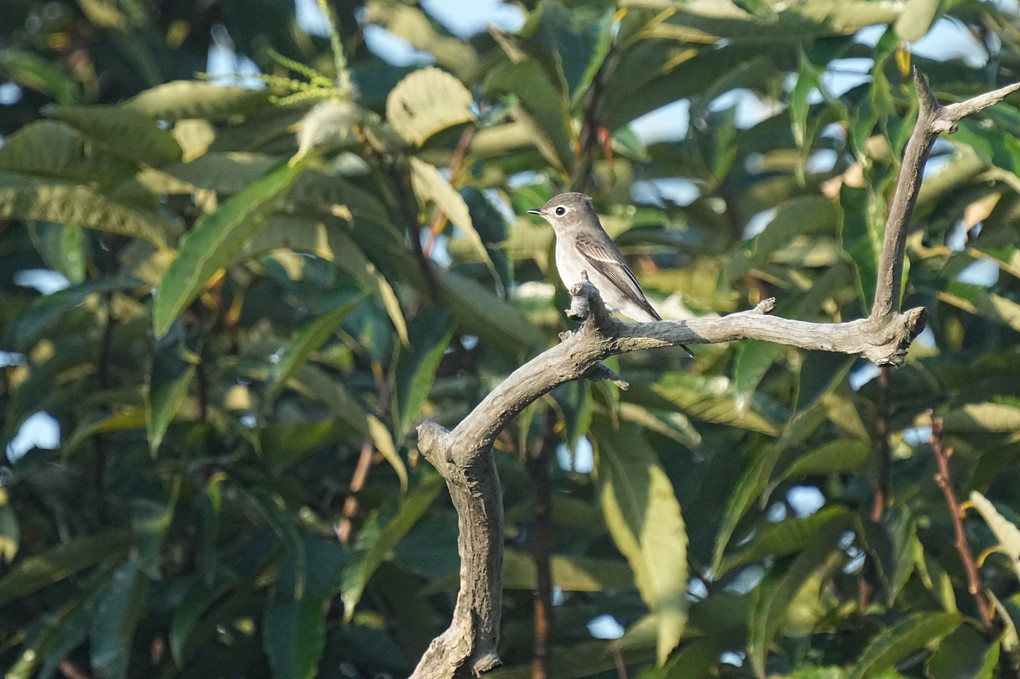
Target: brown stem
x=588 y=138
x=945 y=482
x=343 y=533
x=350 y=508
x=537 y=465
x=70 y=670
x=882 y=427
x=439 y=217
x=932 y=120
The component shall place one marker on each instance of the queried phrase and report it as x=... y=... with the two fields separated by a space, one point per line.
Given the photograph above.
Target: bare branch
x=932 y=120
x=464 y=455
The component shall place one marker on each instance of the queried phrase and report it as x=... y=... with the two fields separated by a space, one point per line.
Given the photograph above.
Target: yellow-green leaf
x=428 y=101
x=643 y=516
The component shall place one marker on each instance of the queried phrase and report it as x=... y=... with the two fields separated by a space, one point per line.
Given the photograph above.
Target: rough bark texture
x=464 y=455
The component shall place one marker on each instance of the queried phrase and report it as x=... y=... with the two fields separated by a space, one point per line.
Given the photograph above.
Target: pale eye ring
x=560 y=211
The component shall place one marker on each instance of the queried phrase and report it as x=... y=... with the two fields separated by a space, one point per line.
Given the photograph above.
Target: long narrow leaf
x=214 y=240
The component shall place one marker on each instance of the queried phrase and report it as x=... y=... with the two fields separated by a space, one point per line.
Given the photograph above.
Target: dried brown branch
x=932 y=120
x=945 y=482
x=464 y=455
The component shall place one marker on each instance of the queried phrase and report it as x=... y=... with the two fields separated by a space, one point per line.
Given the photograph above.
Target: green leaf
x=307 y=339
x=50 y=311
x=908 y=636
x=214 y=240
x=982 y=418
x=124 y=132
x=168 y=388
x=963 y=654
x=42 y=75
x=333 y=245
x=383 y=440
x=294 y=621
x=62 y=247
x=643 y=516
x=780 y=539
x=1008 y=534
x=842 y=455
x=10 y=532
x=62 y=630
x=709 y=399
x=915 y=19
x=543 y=101
x=480 y=312
x=669 y=423
x=754 y=358
x=53 y=149
x=197 y=597
x=778 y=592
x=571 y=574
x=977 y=300
x=862 y=242
x=35 y=572
x=125 y=418
x=429 y=185
x=370 y=556
x=428 y=101
x=35 y=198
x=416 y=368
x=115 y=620
x=181 y=99
x=757 y=470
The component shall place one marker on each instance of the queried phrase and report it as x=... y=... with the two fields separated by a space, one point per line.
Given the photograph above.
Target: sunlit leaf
x=430 y=186
x=1008 y=534
x=643 y=516
x=543 y=101
x=571 y=574
x=26 y=197
x=10 y=532
x=915 y=19
x=982 y=418
x=54 y=149
x=428 y=101
x=124 y=132
x=196 y=99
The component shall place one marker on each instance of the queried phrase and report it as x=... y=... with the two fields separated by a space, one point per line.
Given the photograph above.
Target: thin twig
x=945 y=482
x=882 y=428
x=537 y=464
x=439 y=217
x=932 y=120
x=358 y=479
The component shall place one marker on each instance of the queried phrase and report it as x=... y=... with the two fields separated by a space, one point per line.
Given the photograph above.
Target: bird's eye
x=560 y=211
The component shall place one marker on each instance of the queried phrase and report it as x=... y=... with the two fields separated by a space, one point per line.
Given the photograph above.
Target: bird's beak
x=536 y=211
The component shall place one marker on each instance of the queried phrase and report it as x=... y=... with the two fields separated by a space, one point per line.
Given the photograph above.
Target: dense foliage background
x=237 y=346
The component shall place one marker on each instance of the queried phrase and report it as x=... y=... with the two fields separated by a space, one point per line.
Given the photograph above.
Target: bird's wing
x=603 y=256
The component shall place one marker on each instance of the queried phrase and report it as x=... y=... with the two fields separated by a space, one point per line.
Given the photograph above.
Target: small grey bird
x=583 y=245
